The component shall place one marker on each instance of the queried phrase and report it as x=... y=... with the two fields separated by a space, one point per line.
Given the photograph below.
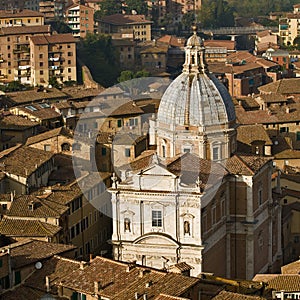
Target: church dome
x=196 y=97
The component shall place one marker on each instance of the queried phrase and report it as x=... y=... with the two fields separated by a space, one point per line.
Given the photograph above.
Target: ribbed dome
x=203 y=98
x=196 y=98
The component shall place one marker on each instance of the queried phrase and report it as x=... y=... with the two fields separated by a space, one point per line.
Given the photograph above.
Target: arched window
x=65 y=147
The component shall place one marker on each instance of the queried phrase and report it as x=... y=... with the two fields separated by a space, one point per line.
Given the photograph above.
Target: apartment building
x=52 y=9
x=180 y=7
x=289 y=26
x=14 y=51
x=17 y=17
x=52 y=57
x=126 y=25
x=80 y=19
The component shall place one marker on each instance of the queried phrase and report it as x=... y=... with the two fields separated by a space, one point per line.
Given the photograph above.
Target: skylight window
x=30 y=107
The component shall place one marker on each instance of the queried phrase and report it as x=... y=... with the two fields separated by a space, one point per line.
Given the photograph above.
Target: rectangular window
x=103 y=151
x=127 y=152
x=156 y=218
x=213 y=215
x=260 y=200
x=47 y=148
x=298 y=135
x=119 y=123
x=215 y=153
x=284 y=129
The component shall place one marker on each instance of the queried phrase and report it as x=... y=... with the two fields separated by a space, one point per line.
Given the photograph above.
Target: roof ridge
x=242 y=161
x=41 y=224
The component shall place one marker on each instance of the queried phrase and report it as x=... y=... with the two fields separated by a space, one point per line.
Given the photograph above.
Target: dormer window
x=31 y=206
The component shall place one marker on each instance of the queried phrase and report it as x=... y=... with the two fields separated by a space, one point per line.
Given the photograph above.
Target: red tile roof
x=20 y=14
x=62 y=38
x=12 y=30
x=120 y=19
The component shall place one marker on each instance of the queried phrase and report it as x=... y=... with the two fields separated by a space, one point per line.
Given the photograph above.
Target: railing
x=237 y=30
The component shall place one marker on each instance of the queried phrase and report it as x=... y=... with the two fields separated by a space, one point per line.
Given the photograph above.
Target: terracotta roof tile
x=119 y=282
x=245 y=164
x=27 y=228
x=29 y=157
x=61 y=38
x=246 y=134
x=167 y=297
x=35 y=96
x=11 y=121
x=23 y=293
x=41 y=113
x=30 y=251
x=292 y=268
x=49 y=134
x=224 y=295
x=120 y=19
x=20 y=13
x=282 y=86
x=25 y=30
x=42 y=207
x=55 y=268
x=288 y=283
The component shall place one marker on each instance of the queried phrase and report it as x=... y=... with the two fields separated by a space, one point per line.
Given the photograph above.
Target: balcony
x=21 y=49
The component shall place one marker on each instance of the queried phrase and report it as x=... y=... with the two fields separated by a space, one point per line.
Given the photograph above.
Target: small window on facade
x=298 y=135
x=119 y=123
x=47 y=148
x=215 y=153
x=127 y=152
x=156 y=218
x=103 y=151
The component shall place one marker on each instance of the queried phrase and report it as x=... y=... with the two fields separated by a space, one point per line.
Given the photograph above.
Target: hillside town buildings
x=187 y=189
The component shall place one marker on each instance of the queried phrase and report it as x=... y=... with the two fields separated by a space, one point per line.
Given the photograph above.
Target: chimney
x=48 y=284
x=97 y=287
x=287 y=110
x=136 y=295
x=149 y=283
x=142 y=273
x=82 y=265
x=91 y=256
x=145 y=297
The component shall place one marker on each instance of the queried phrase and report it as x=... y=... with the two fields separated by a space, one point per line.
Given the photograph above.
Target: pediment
x=157 y=170
x=156 y=239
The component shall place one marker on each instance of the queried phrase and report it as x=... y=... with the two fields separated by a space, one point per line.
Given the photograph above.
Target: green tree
x=125 y=75
x=110 y=7
x=140 y=6
x=188 y=19
x=98 y=54
x=53 y=81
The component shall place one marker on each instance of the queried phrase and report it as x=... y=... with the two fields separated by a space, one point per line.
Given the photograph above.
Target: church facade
x=194 y=199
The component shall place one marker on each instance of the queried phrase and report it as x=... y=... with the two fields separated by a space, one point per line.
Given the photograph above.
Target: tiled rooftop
x=118 y=281
x=35 y=95
x=14 y=122
x=246 y=134
x=20 y=14
x=42 y=207
x=49 y=134
x=120 y=19
x=292 y=268
x=24 y=160
x=224 y=295
x=283 y=86
x=288 y=283
x=31 y=251
x=12 y=30
x=62 y=38
x=27 y=228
